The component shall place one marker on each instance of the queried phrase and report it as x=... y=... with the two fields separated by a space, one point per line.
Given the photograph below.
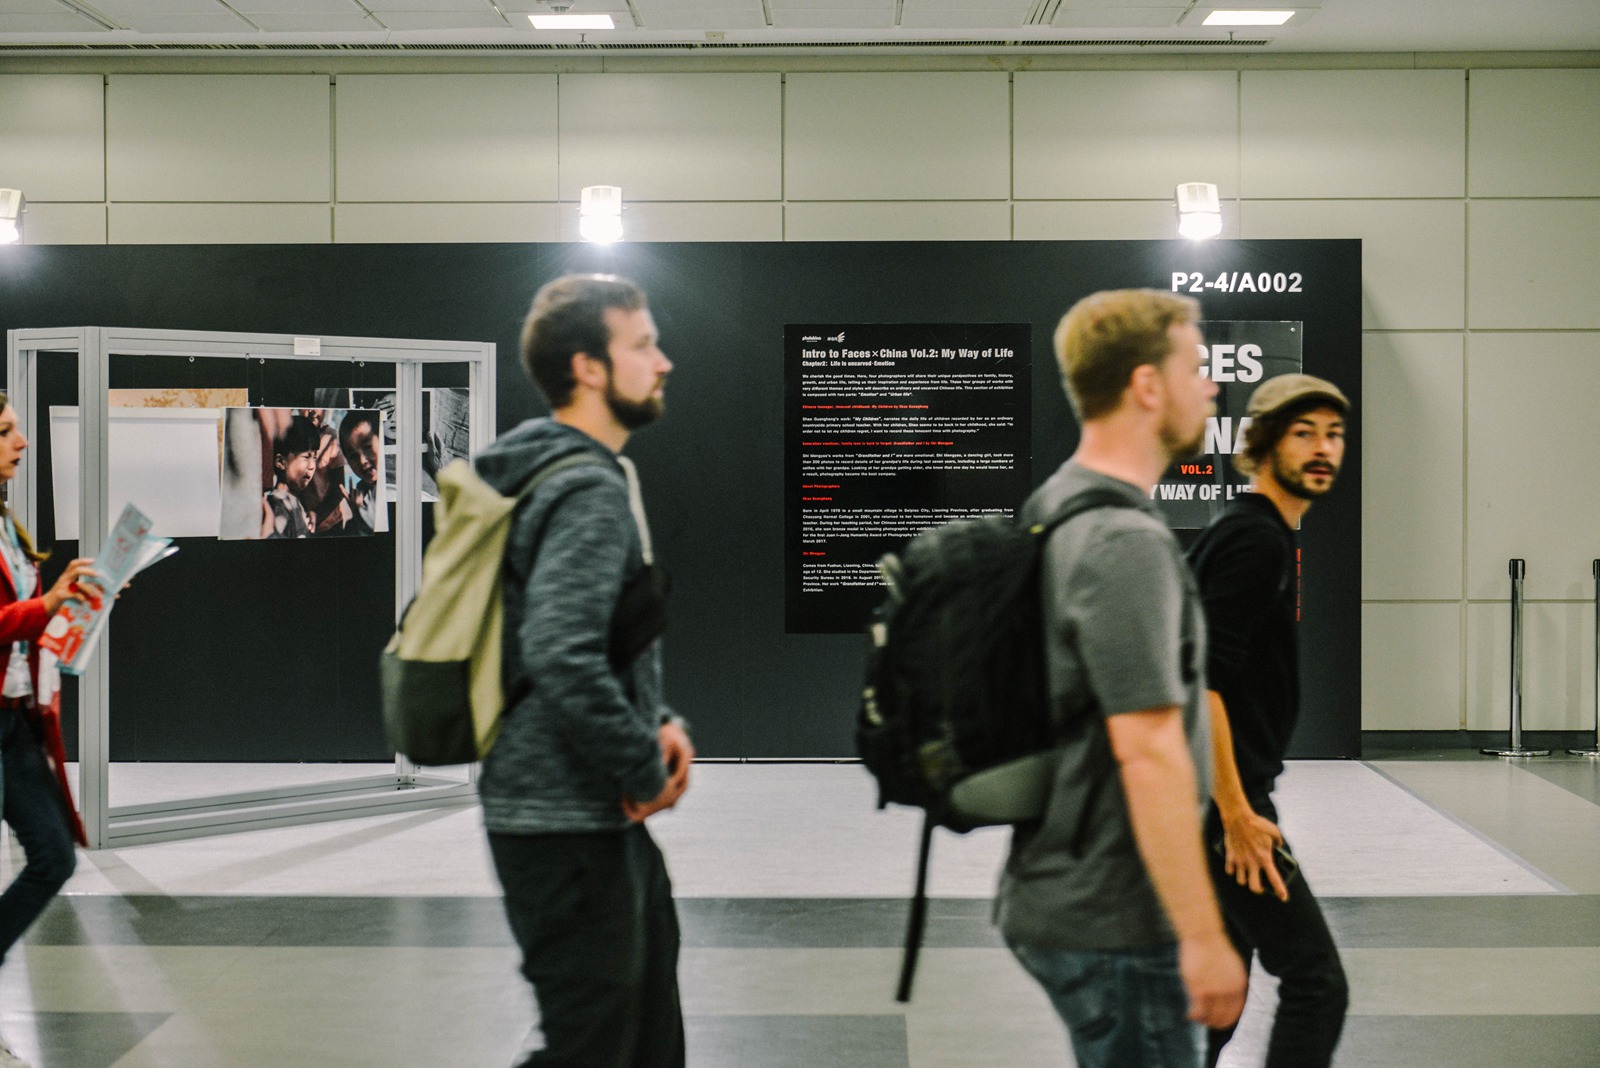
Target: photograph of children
x=301 y=472
x=444 y=429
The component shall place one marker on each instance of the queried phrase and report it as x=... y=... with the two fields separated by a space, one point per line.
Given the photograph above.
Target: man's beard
x=1182 y=447
x=632 y=414
x=1293 y=479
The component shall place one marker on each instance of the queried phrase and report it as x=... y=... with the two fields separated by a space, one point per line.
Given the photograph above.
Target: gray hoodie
x=575 y=737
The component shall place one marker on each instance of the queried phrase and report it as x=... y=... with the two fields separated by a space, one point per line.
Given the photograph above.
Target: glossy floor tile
x=1465 y=896
x=789 y=830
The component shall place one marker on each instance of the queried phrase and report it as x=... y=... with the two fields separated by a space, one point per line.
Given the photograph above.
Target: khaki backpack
x=441 y=672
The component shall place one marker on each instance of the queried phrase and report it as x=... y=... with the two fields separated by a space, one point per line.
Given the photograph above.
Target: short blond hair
x=1106 y=336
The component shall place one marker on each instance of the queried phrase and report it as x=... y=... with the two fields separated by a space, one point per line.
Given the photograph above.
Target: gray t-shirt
x=1124 y=632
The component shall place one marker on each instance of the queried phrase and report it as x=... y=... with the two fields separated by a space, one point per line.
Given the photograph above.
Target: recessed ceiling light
x=1247 y=18
x=572 y=22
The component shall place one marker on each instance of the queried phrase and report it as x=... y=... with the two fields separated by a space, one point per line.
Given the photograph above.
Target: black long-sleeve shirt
x=1246 y=564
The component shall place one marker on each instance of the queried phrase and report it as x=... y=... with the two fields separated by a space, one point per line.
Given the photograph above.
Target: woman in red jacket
x=34 y=799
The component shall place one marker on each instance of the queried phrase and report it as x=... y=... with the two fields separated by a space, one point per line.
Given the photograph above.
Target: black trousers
x=594 y=917
x=1291 y=937
x=31 y=803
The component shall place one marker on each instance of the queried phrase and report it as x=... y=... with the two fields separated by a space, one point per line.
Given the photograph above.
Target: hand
x=677 y=753
x=78 y=582
x=432 y=452
x=1215 y=979
x=1247 y=843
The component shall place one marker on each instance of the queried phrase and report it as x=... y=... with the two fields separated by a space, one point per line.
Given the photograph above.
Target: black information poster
x=1239 y=356
x=890 y=429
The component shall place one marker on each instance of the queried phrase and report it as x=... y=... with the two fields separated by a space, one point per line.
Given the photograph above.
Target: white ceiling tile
x=127 y=11
x=961 y=18
x=30 y=7
x=440 y=20
x=322 y=8
x=834 y=19
x=436 y=7
x=45 y=22
x=294 y=22
x=732 y=17
x=1225 y=4
x=834 y=5
x=189 y=22
x=977 y=14
x=617 y=9
x=1140 y=18
x=651 y=8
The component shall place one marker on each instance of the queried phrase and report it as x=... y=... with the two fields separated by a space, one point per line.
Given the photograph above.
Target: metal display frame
x=406 y=787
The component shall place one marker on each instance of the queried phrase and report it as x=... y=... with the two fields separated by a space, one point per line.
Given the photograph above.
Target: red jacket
x=25 y=621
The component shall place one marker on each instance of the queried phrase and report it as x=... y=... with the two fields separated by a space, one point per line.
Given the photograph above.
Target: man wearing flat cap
x=1247 y=565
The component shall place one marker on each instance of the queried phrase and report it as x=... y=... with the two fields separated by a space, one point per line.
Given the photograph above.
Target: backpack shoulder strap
x=1082 y=501
x=582 y=458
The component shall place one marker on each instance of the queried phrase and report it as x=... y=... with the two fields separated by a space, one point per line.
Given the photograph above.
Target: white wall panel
x=1412 y=253
x=1409 y=432
x=218 y=137
x=1411 y=667
x=219 y=224
x=673 y=136
x=1353 y=133
x=690 y=222
x=897 y=222
x=1114 y=135
x=1532 y=438
x=444 y=223
x=1533 y=264
x=912 y=136
x=1534 y=133
x=1106 y=220
x=64 y=224
x=441 y=137
x=1557 y=667
x=52 y=136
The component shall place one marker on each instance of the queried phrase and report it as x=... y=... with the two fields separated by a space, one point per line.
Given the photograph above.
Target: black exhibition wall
x=266 y=650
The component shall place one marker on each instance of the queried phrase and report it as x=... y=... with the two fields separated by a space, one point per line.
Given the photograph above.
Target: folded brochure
x=129 y=549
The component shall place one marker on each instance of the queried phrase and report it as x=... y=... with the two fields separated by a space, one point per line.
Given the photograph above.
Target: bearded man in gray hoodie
x=588 y=749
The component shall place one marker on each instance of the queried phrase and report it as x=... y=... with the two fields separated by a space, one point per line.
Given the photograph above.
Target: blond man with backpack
x=1106 y=900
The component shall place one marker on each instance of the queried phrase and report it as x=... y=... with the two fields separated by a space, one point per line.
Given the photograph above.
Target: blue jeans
x=31 y=802
x=1122 y=1008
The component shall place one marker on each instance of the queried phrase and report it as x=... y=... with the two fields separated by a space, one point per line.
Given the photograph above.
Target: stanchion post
x=1519 y=569
x=1594 y=750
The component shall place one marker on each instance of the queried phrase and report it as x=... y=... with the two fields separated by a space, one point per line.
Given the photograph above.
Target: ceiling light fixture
x=1247 y=18
x=572 y=22
x=12 y=205
x=600 y=214
x=1199 y=210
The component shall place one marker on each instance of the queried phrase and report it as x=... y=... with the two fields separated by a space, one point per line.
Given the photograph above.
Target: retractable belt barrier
x=1519 y=569
x=1594 y=750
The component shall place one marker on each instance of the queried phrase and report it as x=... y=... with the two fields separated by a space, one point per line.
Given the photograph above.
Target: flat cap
x=1283 y=390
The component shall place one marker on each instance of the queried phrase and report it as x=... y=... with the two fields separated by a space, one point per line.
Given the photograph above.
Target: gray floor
x=1465 y=895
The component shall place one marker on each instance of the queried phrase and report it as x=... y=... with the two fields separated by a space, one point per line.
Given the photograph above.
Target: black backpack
x=955 y=713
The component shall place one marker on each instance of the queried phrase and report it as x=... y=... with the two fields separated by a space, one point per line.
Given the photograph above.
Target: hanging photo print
x=444 y=427
x=302 y=473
